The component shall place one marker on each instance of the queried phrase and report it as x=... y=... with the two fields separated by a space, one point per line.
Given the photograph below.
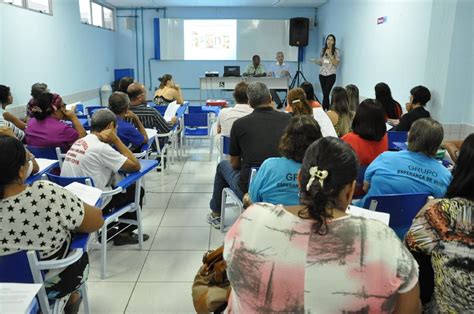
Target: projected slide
x=210 y=39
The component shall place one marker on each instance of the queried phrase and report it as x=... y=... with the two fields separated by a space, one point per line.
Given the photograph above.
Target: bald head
x=137 y=93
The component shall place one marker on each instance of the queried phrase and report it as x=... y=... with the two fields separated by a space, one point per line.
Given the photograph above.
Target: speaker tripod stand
x=296 y=78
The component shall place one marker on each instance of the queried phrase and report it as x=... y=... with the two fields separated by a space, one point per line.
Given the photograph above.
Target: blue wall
x=187 y=73
x=59 y=50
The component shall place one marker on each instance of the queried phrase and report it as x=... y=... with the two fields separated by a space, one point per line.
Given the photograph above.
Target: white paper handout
x=327 y=129
x=369 y=214
x=44 y=163
x=86 y=193
x=151 y=133
x=17 y=297
x=171 y=111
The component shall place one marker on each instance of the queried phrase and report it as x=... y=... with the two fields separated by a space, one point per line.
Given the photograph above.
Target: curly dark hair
x=299 y=134
x=339 y=160
x=12 y=158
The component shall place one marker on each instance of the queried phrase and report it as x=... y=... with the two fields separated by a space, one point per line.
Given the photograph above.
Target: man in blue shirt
x=279 y=69
x=412 y=171
x=132 y=135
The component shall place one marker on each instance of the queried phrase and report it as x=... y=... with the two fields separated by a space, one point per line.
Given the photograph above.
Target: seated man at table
x=93 y=156
x=253 y=139
x=133 y=134
x=255 y=69
x=278 y=69
x=410 y=171
x=227 y=116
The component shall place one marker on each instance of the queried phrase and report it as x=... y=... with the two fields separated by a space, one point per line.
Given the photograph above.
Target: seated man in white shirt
x=278 y=69
x=93 y=156
x=227 y=116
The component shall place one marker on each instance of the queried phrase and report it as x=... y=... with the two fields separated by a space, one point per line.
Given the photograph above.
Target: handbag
x=211 y=287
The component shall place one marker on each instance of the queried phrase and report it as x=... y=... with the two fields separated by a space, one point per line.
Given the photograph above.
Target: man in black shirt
x=420 y=95
x=253 y=138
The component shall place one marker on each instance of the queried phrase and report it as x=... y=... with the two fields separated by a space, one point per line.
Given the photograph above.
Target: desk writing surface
x=230 y=82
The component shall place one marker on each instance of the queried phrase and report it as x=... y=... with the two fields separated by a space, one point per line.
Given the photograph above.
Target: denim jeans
x=225 y=177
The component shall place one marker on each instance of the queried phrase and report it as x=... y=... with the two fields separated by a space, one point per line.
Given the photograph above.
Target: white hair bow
x=316 y=173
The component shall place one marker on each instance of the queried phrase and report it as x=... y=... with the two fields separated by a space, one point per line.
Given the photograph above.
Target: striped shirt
x=19 y=134
x=151 y=118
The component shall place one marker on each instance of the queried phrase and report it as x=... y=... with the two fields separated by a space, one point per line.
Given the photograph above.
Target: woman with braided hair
x=313 y=257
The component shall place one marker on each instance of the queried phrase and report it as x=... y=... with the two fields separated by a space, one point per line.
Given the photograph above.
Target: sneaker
x=214 y=220
x=128 y=238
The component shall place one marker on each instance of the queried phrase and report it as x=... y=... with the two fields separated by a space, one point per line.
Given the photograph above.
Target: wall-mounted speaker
x=299 y=31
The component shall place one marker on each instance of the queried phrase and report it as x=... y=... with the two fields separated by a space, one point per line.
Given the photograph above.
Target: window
x=39 y=5
x=15 y=2
x=108 y=18
x=97 y=18
x=43 y=6
x=96 y=14
x=85 y=10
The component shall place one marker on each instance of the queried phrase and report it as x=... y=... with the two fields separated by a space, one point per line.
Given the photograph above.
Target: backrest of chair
x=225 y=145
x=195 y=109
x=64 y=181
x=92 y=109
x=401 y=207
x=44 y=152
x=15 y=268
x=396 y=136
x=160 y=109
x=196 y=119
x=361 y=174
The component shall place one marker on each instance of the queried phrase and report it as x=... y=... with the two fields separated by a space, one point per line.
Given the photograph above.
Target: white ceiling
x=214 y=3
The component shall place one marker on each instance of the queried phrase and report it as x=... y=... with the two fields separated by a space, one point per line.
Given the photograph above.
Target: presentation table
x=228 y=83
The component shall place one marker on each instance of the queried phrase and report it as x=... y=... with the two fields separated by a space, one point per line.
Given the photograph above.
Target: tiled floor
x=158 y=279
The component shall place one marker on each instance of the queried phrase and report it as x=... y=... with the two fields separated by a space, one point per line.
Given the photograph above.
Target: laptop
x=231 y=70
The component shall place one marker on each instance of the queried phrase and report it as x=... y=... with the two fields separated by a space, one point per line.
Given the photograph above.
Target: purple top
x=50 y=132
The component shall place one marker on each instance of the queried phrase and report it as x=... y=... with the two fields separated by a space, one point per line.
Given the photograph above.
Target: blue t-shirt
x=276 y=182
x=128 y=134
x=406 y=172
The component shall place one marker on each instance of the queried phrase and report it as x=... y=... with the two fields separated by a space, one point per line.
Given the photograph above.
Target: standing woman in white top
x=329 y=60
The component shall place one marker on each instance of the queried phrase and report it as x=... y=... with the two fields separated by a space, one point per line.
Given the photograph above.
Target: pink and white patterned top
x=327 y=68
x=275 y=263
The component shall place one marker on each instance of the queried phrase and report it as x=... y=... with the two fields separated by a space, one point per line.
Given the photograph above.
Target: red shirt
x=366 y=150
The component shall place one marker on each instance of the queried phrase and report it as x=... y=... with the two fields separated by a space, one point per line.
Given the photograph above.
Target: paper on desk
x=44 y=163
x=151 y=133
x=17 y=297
x=388 y=126
x=171 y=111
x=87 y=194
x=362 y=212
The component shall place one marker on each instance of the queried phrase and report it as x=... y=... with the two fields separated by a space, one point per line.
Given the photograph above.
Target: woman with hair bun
x=313 y=257
x=168 y=91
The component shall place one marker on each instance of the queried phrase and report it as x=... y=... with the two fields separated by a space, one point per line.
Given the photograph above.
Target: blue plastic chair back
x=396 y=136
x=161 y=109
x=195 y=119
x=64 y=181
x=15 y=268
x=401 y=207
x=44 y=152
x=225 y=145
x=80 y=110
x=181 y=110
x=195 y=109
x=360 y=182
x=92 y=109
